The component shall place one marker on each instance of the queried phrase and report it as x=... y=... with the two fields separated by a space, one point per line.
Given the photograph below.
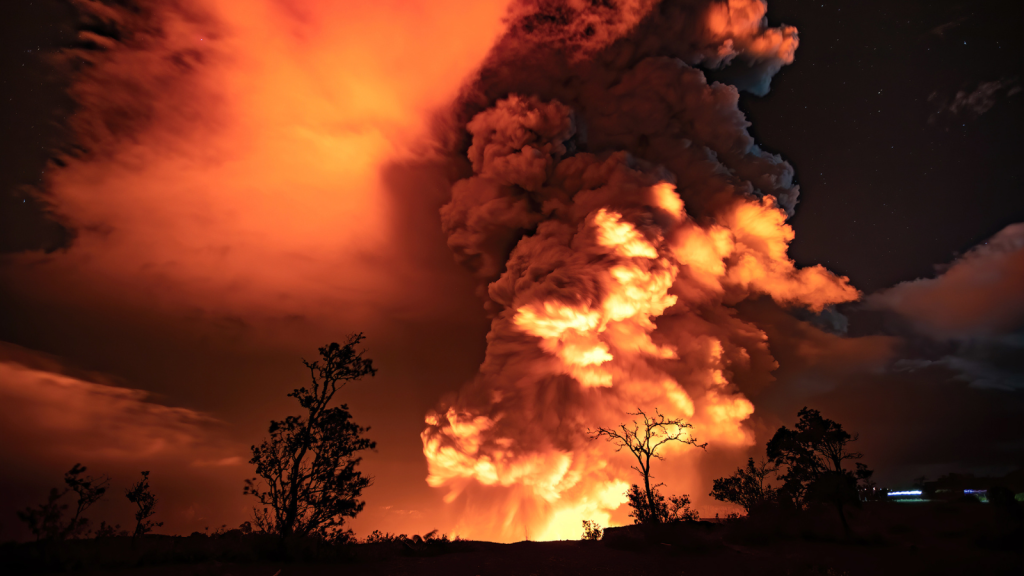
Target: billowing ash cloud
x=977 y=295
x=973 y=310
x=615 y=210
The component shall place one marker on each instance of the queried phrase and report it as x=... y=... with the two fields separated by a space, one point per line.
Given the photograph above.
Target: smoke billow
x=616 y=210
x=970 y=316
x=227 y=154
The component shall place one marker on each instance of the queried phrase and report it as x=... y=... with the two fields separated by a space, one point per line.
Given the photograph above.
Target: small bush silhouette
x=679 y=509
x=144 y=500
x=107 y=531
x=591 y=530
x=747 y=487
x=432 y=537
x=377 y=537
x=654 y=509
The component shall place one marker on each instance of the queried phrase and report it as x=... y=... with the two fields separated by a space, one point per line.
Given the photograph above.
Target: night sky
x=864 y=114
x=903 y=122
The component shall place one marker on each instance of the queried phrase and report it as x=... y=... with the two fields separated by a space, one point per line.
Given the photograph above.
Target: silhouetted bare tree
x=643 y=440
x=145 y=502
x=46 y=521
x=748 y=487
x=309 y=462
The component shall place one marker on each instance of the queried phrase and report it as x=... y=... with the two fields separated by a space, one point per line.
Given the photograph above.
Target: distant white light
x=906 y=493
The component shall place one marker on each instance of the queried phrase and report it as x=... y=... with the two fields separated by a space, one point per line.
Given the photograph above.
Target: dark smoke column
x=616 y=210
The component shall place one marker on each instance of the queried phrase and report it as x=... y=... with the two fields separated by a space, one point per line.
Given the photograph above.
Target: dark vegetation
x=310 y=483
x=592 y=530
x=810 y=462
x=957 y=537
x=643 y=439
x=47 y=521
x=748 y=487
x=145 y=504
x=810 y=509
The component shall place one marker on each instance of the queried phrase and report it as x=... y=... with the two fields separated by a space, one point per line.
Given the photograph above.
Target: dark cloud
x=680 y=117
x=971 y=104
x=978 y=295
x=970 y=317
x=914 y=417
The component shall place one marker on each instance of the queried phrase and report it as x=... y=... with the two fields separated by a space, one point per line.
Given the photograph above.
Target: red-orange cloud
x=73 y=419
x=234 y=180
x=977 y=295
x=51 y=419
x=233 y=149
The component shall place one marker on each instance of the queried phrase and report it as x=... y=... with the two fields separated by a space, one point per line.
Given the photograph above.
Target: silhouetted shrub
x=46 y=521
x=107 y=531
x=679 y=509
x=145 y=503
x=653 y=509
x=591 y=530
x=430 y=544
x=747 y=487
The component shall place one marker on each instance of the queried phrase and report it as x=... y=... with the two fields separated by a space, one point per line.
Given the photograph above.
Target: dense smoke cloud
x=972 y=313
x=977 y=295
x=616 y=211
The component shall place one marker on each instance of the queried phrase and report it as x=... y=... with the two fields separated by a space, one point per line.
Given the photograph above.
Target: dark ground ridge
x=964 y=537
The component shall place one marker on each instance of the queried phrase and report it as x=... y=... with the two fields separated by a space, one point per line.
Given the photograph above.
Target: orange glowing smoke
x=233 y=149
x=231 y=168
x=615 y=295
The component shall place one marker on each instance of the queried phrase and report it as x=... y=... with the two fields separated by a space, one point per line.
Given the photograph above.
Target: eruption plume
x=615 y=211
